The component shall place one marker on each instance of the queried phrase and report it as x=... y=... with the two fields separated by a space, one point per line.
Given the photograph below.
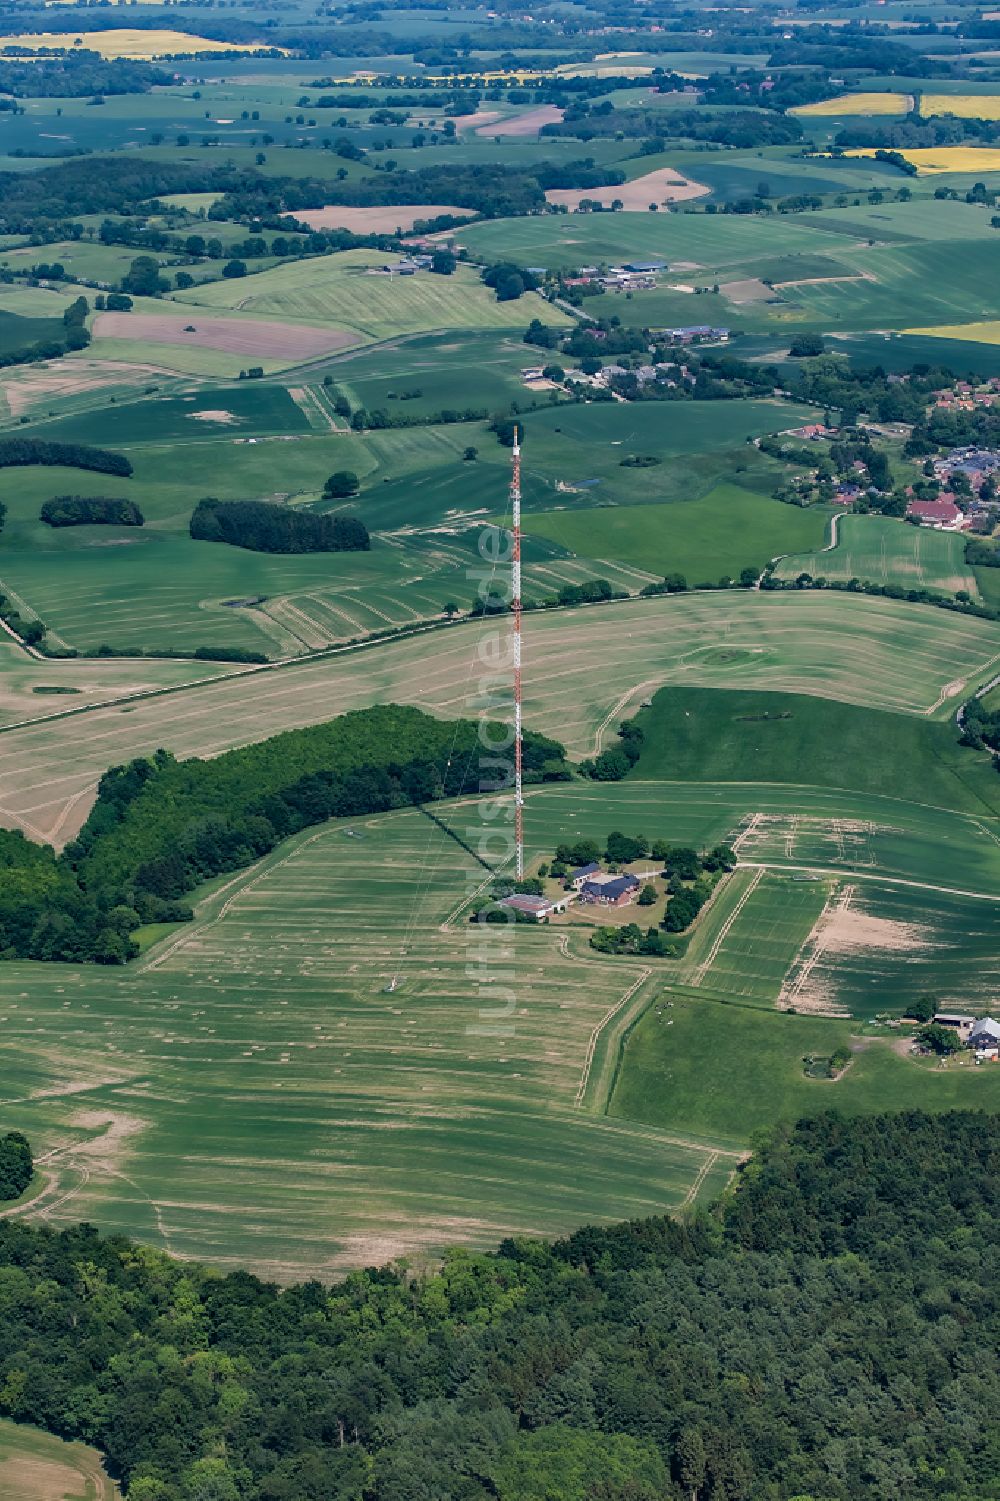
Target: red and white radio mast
x=515 y=505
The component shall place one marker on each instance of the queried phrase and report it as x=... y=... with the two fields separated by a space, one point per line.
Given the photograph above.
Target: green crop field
x=346 y=290
x=883 y=550
x=205 y=411
x=254 y=1092
x=36 y=1466
x=17 y=332
x=583 y=668
x=727 y=530
x=703 y=735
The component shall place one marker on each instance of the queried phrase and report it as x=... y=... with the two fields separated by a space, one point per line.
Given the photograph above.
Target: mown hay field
x=885 y=550
x=583 y=669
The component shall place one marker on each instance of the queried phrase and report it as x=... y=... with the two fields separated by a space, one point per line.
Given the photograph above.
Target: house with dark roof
x=609 y=891
x=576 y=878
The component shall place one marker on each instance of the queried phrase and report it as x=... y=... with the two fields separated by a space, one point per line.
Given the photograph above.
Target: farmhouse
x=944 y=515
x=605 y=890
x=538 y=907
x=985 y=1039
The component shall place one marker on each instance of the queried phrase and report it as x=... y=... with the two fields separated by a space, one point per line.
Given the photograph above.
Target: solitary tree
x=341 y=484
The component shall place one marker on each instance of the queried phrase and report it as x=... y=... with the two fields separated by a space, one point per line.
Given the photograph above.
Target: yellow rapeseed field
x=969 y=106
x=970 y=333
x=858 y=104
x=124 y=42
x=931 y=159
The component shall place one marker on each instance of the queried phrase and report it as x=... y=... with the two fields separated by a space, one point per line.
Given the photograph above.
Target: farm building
x=944 y=515
x=576 y=877
x=985 y=1039
x=959 y=1023
x=606 y=890
x=538 y=907
x=693 y=331
x=645 y=268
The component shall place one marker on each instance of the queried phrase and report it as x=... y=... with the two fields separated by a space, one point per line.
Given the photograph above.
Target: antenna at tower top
x=515 y=505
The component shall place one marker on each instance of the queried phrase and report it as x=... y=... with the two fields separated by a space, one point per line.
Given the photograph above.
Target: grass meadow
x=726 y=531
x=727 y=1071
x=583 y=669
x=708 y=735
x=884 y=550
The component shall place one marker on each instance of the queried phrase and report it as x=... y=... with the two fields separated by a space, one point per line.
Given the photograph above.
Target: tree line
x=90 y=510
x=263 y=527
x=828 y=1330
x=23 y=451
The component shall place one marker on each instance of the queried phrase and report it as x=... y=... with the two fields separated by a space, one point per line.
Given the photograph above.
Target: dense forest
x=18 y=451
x=828 y=1333
x=263 y=527
x=90 y=510
x=160 y=826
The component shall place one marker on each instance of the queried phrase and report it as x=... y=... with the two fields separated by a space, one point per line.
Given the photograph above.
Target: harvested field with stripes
x=588 y=668
x=258 y=1092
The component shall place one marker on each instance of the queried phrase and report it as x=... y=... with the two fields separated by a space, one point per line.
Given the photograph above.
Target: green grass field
x=724 y=1071
x=156 y=589
x=729 y=529
x=702 y=735
x=883 y=550
x=583 y=669
x=341 y=290
x=36 y=1466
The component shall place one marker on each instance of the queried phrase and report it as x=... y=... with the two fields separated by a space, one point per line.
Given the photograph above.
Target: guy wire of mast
x=515 y=505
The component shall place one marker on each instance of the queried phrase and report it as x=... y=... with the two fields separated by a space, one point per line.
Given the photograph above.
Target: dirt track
x=231 y=335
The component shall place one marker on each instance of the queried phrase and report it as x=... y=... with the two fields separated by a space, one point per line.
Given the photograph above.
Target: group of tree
x=24 y=451
x=160 y=826
x=263 y=526
x=827 y=1330
x=16 y=1165
x=96 y=510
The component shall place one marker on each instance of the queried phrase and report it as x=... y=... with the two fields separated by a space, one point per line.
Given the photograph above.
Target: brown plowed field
x=231 y=335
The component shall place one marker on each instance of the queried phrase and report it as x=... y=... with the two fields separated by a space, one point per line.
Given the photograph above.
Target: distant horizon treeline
x=161 y=826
